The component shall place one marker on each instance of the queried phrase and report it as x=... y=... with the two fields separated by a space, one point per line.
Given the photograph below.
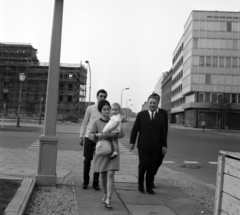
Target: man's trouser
x=147 y=160
x=89 y=149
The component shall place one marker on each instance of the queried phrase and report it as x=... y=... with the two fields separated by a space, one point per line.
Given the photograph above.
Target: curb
x=19 y=202
x=75 y=198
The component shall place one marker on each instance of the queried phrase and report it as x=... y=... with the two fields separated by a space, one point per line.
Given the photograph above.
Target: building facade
x=22 y=58
x=158 y=87
x=206 y=69
x=167 y=94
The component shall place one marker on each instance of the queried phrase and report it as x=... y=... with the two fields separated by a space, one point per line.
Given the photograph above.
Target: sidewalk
x=170 y=194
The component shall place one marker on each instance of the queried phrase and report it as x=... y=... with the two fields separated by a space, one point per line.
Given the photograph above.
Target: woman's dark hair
x=102 y=91
x=101 y=104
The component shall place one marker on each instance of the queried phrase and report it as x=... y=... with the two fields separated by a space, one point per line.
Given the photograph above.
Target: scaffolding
x=18 y=58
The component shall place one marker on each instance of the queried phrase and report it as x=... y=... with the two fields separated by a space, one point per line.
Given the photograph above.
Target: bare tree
x=224 y=106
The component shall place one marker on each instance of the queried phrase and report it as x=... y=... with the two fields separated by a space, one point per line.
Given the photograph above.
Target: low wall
x=227 y=197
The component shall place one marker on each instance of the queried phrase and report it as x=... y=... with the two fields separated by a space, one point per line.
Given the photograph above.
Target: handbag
x=103 y=148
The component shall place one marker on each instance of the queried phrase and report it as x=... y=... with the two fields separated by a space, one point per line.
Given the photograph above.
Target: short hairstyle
x=156 y=95
x=101 y=104
x=153 y=97
x=115 y=104
x=101 y=91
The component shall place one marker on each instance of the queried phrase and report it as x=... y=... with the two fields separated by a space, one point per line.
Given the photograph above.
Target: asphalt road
x=190 y=151
x=195 y=152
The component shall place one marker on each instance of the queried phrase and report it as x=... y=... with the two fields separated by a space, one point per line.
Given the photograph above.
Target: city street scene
x=120 y=107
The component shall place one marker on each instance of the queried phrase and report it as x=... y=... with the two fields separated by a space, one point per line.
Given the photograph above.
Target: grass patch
x=8 y=188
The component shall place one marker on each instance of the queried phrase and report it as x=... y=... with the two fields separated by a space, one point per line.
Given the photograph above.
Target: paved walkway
x=168 y=198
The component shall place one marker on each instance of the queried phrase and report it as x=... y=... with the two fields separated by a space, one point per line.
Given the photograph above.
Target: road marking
x=213 y=162
x=190 y=162
x=35 y=145
x=124 y=149
x=168 y=162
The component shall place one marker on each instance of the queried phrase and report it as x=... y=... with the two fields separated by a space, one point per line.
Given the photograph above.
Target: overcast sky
x=129 y=43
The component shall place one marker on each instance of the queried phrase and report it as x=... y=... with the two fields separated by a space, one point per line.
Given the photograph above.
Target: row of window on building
x=178 y=102
x=180 y=49
x=65 y=99
x=216 y=97
x=179 y=63
x=63 y=86
x=214 y=61
x=67 y=76
x=177 y=90
x=177 y=78
x=227 y=26
x=205 y=43
x=230 y=80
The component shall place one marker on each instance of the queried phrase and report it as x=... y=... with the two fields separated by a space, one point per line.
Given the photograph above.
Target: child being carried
x=114 y=126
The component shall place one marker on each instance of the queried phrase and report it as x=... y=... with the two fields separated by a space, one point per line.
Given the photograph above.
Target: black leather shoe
x=153 y=186
x=96 y=187
x=150 y=191
x=84 y=186
x=141 y=188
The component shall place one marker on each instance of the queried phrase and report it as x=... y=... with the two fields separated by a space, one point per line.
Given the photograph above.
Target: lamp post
x=47 y=159
x=22 y=77
x=127 y=108
x=40 y=116
x=121 y=93
x=5 y=92
x=87 y=62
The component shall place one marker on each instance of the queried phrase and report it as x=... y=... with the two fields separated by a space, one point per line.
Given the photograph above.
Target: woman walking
x=103 y=163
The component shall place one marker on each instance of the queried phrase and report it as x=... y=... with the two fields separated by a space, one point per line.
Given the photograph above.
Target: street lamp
x=121 y=93
x=5 y=92
x=22 y=77
x=127 y=108
x=5 y=97
x=40 y=116
x=87 y=62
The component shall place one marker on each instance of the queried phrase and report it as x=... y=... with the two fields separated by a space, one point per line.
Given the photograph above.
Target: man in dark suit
x=161 y=155
x=149 y=127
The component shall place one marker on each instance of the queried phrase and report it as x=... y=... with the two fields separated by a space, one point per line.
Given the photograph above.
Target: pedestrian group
x=99 y=133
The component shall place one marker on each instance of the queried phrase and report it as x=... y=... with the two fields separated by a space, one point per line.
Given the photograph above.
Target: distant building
x=145 y=106
x=18 y=58
x=158 y=87
x=205 y=67
x=167 y=94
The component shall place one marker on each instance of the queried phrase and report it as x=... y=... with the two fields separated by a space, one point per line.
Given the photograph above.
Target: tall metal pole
x=121 y=94
x=47 y=161
x=19 y=104
x=40 y=116
x=127 y=109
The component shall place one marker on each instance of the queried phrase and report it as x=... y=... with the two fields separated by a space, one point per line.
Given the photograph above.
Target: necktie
x=152 y=116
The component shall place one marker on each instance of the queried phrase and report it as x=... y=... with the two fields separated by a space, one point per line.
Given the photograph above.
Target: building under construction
x=22 y=58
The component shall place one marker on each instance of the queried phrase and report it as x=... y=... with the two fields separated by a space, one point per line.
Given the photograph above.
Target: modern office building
x=158 y=87
x=166 y=86
x=18 y=58
x=206 y=70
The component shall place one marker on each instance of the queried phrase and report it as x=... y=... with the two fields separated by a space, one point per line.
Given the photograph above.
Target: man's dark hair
x=156 y=95
x=102 y=91
x=103 y=103
x=152 y=97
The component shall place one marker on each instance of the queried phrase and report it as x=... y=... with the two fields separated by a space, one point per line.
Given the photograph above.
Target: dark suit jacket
x=151 y=134
x=165 y=117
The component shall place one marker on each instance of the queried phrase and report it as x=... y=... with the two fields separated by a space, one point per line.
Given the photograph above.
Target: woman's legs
x=110 y=185
x=104 y=181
